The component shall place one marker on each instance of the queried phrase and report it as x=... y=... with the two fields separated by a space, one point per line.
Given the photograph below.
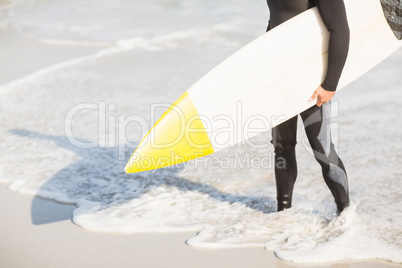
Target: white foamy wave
x=204 y=37
x=100 y=23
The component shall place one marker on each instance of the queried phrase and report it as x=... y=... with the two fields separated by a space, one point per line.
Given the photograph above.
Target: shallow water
x=67 y=133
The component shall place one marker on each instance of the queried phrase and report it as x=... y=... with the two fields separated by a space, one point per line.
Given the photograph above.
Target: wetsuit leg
x=317 y=125
x=284 y=135
x=284 y=141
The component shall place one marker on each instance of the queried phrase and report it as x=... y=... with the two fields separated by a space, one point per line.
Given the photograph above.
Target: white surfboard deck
x=269 y=80
x=275 y=75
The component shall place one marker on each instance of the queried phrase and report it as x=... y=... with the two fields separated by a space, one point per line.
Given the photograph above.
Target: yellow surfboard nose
x=178 y=136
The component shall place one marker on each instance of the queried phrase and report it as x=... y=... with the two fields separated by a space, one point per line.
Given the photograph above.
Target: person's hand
x=323 y=96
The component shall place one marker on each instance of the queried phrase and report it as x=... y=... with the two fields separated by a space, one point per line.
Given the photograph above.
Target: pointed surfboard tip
x=178 y=136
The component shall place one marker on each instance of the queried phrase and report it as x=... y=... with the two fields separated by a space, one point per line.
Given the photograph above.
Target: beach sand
x=63 y=244
x=28 y=240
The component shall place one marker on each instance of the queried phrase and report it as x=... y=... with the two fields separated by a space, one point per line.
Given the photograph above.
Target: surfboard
x=263 y=84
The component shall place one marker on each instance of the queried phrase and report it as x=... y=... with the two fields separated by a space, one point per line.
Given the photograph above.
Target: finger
x=314 y=96
x=319 y=102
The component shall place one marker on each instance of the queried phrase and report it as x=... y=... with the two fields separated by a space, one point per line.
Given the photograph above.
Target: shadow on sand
x=78 y=180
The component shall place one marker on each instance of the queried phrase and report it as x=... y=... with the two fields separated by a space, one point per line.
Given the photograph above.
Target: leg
x=284 y=141
x=317 y=125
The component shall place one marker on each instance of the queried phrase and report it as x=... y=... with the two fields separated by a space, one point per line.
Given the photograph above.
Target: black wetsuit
x=316 y=119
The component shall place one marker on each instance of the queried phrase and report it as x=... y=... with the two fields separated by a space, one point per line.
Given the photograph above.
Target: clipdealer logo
x=112 y=132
